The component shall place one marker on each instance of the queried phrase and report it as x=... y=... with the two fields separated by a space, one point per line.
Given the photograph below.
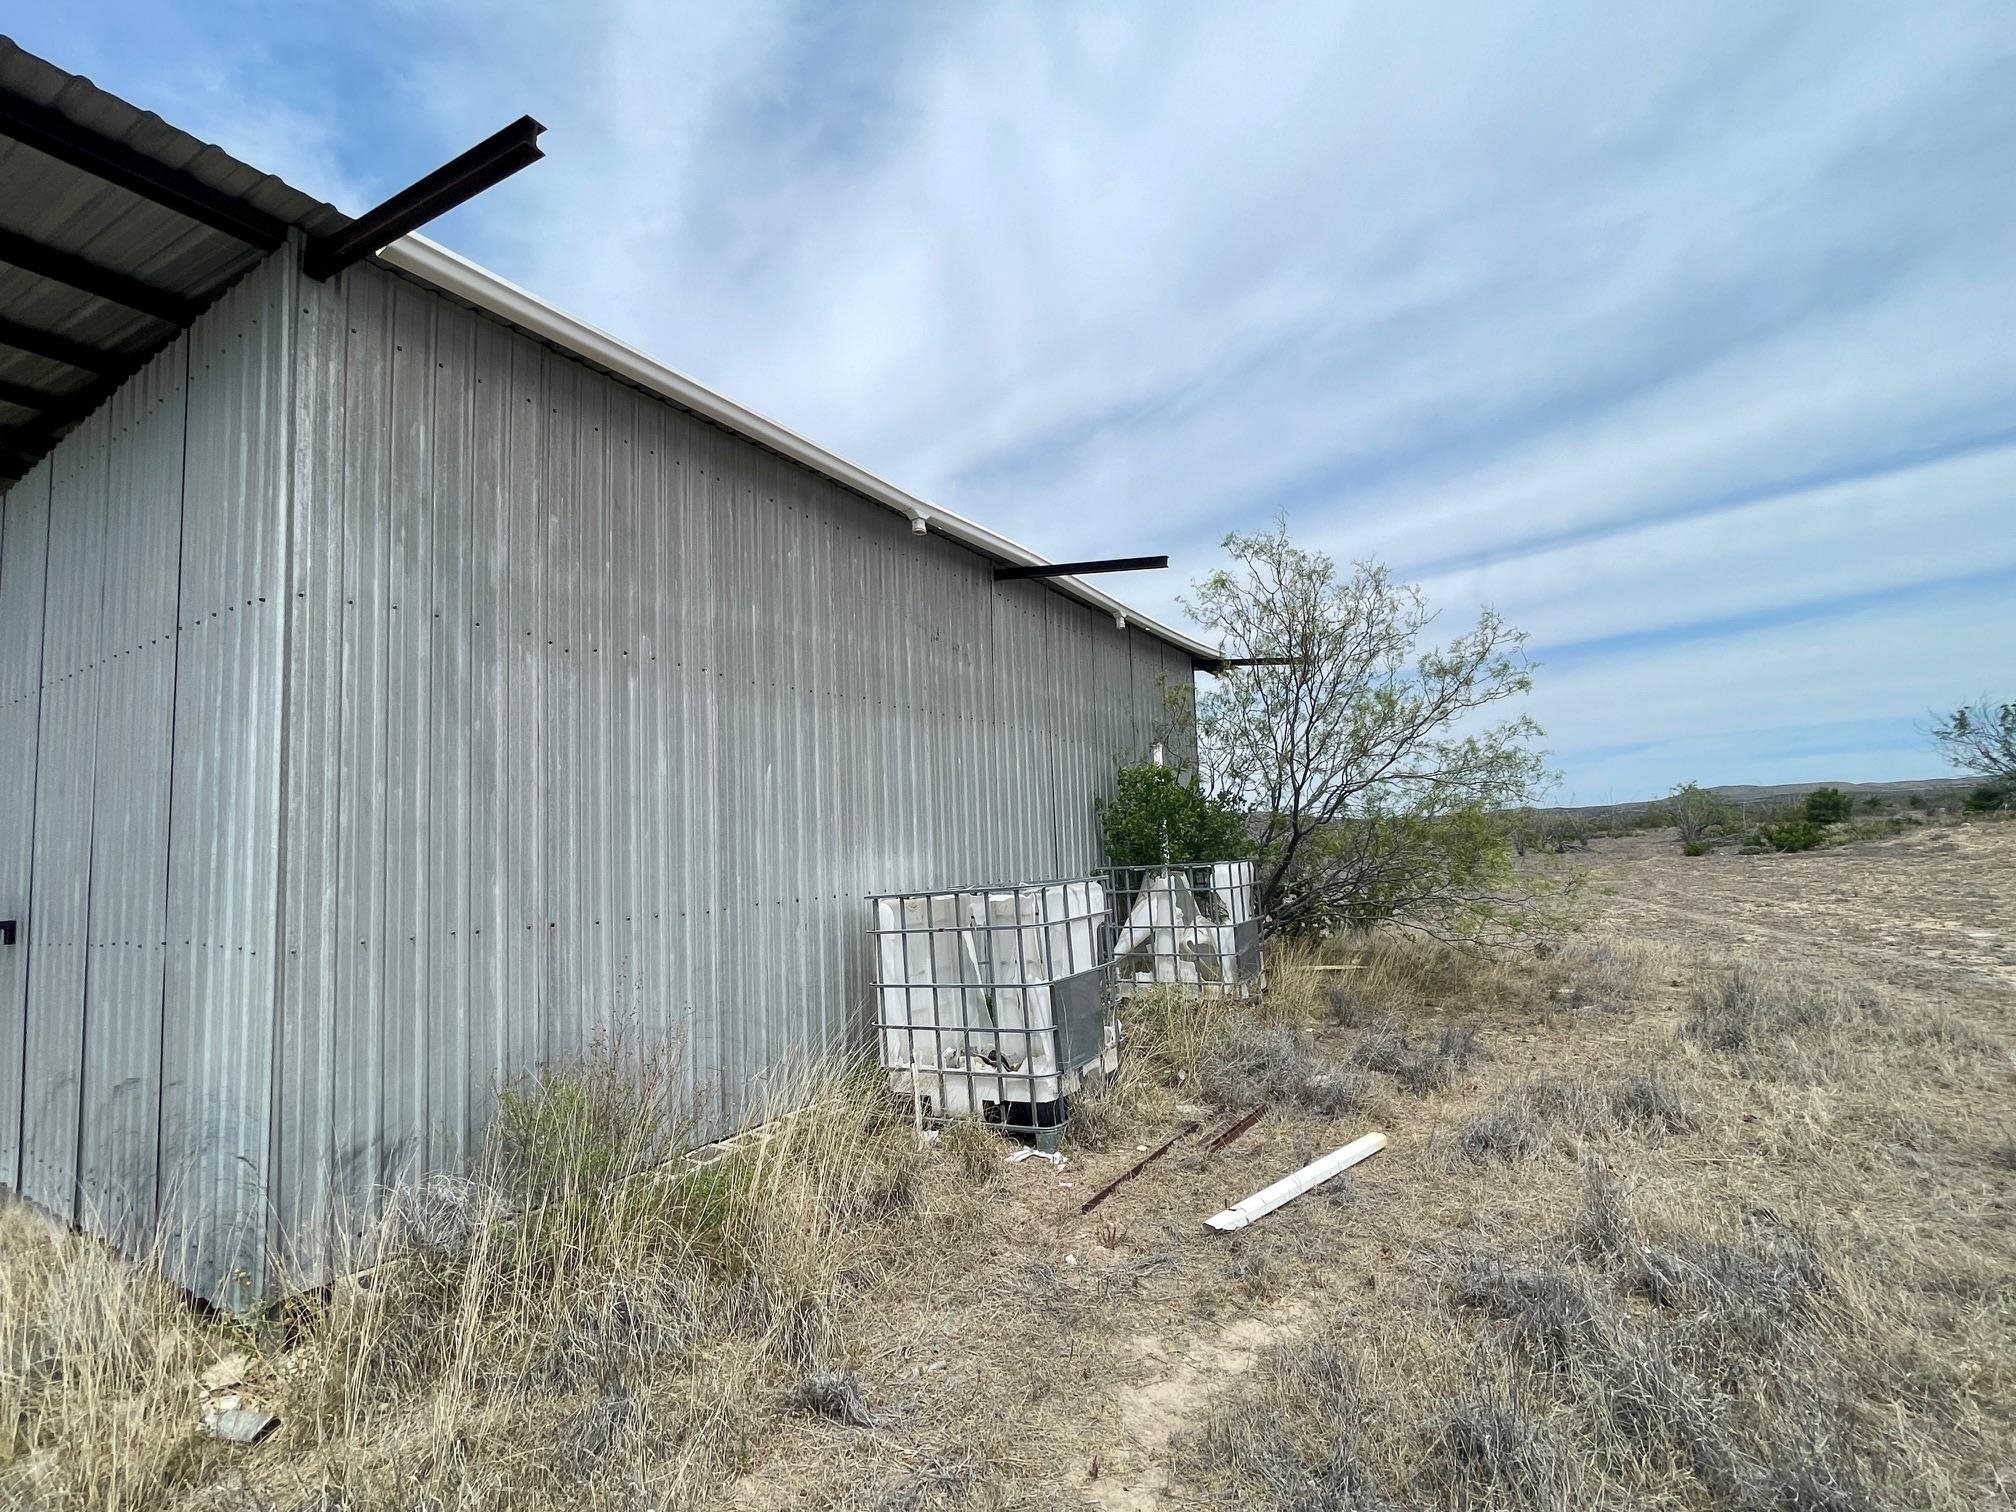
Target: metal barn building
x=403 y=684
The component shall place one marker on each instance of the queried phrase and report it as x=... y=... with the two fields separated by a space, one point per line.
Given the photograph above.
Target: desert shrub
x=1981 y=738
x=1550 y=832
x=1828 y=805
x=1272 y=1063
x=1696 y=814
x=1380 y=770
x=1695 y=847
x=1989 y=798
x=1789 y=835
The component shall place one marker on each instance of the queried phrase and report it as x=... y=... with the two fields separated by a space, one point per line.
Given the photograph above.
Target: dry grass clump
x=978 y=1149
x=1746 y=1369
x=1776 y=1027
x=1307 y=1458
x=1650 y=1105
x=1553 y=1112
x=585 y=1313
x=1420 y=1067
x=1280 y=1066
x=1492 y=1453
x=97 y=1382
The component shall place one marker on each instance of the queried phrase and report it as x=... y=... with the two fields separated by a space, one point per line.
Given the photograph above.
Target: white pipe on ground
x=1293 y=1185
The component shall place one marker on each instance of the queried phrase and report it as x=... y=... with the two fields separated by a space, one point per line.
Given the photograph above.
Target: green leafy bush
x=1155 y=816
x=1828 y=805
x=1989 y=798
x=1790 y=835
x=1695 y=847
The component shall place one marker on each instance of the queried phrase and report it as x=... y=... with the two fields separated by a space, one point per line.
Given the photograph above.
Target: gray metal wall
x=584 y=719
x=602 y=723
x=140 y=701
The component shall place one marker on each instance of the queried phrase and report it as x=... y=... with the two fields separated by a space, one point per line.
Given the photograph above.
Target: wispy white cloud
x=1682 y=336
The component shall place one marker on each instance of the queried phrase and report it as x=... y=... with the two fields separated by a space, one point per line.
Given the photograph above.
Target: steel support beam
x=1080 y=569
x=1224 y=663
x=80 y=273
x=48 y=130
x=488 y=162
x=28 y=398
x=61 y=349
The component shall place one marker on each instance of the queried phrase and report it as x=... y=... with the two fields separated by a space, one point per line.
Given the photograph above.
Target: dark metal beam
x=61 y=349
x=1224 y=662
x=1081 y=569
x=28 y=398
x=81 y=273
x=496 y=158
x=34 y=437
x=49 y=130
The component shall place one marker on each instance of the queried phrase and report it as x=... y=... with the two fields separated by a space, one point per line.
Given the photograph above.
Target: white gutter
x=456 y=275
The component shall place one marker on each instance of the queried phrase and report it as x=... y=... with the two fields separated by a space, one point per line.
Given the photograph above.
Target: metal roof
x=116 y=229
x=113 y=236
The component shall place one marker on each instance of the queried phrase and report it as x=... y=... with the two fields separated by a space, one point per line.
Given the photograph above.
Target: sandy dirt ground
x=1932 y=909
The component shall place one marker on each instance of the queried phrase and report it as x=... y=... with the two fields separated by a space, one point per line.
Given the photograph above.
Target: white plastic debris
x=227 y=1419
x=1029 y=1152
x=1293 y=1185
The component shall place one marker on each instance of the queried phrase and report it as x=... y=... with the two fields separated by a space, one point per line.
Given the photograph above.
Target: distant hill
x=1749 y=794
x=1924 y=787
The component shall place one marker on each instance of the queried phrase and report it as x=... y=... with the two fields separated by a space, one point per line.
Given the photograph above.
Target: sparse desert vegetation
x=1705 y=1206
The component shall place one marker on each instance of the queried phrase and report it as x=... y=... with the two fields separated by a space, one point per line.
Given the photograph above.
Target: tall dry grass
x=585 y=1319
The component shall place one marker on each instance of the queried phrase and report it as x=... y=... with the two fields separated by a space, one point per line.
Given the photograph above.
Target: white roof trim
x=456 y=275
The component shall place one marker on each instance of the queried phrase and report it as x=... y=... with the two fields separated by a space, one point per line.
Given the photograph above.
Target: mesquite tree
x=1981 y=738
x=1380 y=770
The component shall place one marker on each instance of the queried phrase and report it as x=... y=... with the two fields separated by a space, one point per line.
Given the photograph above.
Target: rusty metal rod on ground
x=1139 y=1166
x=1237 y=1129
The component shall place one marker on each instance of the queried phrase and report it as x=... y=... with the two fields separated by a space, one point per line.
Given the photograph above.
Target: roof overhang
x=122 y=229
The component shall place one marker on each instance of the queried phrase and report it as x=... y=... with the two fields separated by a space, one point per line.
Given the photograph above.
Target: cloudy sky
x=1686 y=339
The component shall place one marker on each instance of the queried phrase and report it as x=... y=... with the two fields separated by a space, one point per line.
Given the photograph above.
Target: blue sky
x=1686 y=338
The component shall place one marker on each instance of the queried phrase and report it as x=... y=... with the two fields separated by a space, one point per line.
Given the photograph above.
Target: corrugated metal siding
x=24 y=554
x=129 y=852
x=140 y=682
x=410 y=705
x=602 y=722
x=223 y=868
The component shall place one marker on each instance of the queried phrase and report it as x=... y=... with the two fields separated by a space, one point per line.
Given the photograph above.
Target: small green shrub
x=1155 y=817
x=1790 y=835
x=1695 y=847
x=1828 y=805
x=1989 y=798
